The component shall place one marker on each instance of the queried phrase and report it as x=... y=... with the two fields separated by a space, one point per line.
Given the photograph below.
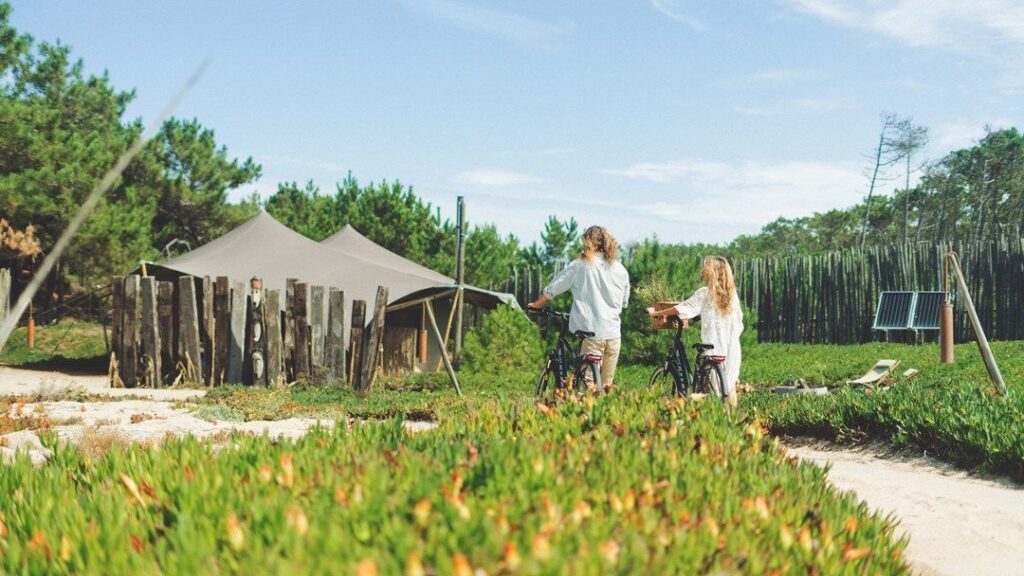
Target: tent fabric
x=264 y=248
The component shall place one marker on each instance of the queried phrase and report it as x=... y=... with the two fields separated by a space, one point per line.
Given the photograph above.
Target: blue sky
x=691 y=120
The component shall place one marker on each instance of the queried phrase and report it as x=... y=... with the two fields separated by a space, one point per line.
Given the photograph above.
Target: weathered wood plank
x=129 y=362
x=117 y=321
x=399 y=347
x=355 y=342
x=371 y=353
x=188 y=329
x=165 y=312
x=236 y=336
x=275 y=342
x=300 y=314
x=222 y=329
x=207 y=330
x=5 y=293
x=335 y=344
x=288 y=330
x=151 y=349
x=255 y=373
x=317 y=321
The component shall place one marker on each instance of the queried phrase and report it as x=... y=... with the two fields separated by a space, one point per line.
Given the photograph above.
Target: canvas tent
x=264 y=248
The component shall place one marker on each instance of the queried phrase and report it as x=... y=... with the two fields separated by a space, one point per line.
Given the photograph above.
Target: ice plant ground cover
x=626 y=483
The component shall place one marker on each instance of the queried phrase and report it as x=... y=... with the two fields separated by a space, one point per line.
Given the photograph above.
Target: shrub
x=506 y=343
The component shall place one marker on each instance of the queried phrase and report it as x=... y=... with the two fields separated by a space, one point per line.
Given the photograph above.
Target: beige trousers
x=609 y=350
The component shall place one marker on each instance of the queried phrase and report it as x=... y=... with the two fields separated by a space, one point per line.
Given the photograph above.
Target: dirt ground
x=958 y=524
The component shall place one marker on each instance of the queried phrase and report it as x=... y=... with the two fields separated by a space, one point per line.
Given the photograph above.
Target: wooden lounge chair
x=879 y=373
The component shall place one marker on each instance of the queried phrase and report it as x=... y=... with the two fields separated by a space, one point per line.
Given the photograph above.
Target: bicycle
x=563 y=358
x=706 y=376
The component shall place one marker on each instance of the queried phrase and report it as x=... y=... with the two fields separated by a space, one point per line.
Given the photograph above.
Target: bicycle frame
x=678 y=364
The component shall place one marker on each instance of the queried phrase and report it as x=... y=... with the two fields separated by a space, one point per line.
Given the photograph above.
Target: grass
x=627 y=483
x=67 y=344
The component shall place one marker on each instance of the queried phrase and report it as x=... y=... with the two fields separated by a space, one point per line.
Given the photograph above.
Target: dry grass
x=96 y=441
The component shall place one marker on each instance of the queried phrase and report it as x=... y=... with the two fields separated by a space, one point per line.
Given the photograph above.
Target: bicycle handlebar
x=547 y=313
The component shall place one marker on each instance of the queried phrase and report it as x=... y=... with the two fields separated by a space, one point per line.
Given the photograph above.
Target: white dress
x=723 y=331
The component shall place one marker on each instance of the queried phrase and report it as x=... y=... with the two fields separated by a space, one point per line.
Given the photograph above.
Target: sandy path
x=958 y=524
x=17 y=382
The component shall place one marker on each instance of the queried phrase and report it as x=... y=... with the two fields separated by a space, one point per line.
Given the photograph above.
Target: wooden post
x=272 y=325
x=373 y=341
x=444 y=350
x=222 y=330
x=335 y=345
x=289 y=326
x=986 y=352
x=255 y=372
x=188 y=330
x=129 y=362
x=208 y=331
x=460 y=256
x=300 y=313
x=316 y=325
x=5 y=293
x=117 y=321
x=165 y=312
x=355 y=342
x=236 y=338
x=151 y=348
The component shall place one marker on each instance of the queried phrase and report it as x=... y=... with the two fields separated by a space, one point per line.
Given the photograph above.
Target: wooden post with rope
x=951 y=260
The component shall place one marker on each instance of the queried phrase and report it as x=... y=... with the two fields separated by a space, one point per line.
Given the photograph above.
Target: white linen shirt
x=600 y=290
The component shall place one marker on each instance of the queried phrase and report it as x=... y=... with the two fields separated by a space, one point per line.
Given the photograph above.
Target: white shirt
x=600 y=290
x=723 y=331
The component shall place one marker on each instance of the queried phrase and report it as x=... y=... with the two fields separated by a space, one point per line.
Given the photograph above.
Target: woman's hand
x=650 y=311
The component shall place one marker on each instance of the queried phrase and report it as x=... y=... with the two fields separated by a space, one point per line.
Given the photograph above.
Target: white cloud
x=495 y=178
x=746 y=195
x=954 y=135
x=494 y=22
x=671 y=9
x=963 y=25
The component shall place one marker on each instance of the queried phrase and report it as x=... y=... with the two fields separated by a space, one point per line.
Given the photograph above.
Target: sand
x=957 y=523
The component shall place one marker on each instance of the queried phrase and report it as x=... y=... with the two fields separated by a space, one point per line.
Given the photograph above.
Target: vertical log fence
x=203 y=331
x=831 y=297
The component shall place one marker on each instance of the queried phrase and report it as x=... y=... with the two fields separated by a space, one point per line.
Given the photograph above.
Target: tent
x=264 y=248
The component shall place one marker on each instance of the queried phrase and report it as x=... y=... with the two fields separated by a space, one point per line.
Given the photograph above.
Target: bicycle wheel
x=595 y=373
x=662 y=378
x=714 y=383
x=545 y=380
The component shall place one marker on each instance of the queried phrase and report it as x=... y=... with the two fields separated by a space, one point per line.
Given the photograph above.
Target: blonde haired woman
x=600 y=290
x=721 y=320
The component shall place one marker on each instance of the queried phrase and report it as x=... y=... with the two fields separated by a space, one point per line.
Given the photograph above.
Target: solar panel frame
x=927 y=310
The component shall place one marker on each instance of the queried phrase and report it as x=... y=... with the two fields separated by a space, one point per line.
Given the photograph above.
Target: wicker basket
x=663 y=322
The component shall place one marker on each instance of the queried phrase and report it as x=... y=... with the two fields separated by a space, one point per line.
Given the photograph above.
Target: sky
x=688 y=120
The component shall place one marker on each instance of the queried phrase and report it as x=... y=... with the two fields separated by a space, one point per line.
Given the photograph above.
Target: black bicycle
x=706 y=376
x=566 y=369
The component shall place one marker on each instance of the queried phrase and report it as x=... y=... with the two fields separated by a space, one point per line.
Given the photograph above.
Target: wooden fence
x=831 y=297
x=208 y=331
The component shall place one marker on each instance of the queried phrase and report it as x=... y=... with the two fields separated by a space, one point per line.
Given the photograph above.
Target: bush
x=506 y=343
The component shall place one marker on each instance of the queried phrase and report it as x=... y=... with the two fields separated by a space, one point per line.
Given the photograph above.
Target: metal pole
x=460 y=256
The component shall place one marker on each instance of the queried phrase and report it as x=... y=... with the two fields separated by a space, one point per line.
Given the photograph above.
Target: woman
x=600 y=290
x=721 y=320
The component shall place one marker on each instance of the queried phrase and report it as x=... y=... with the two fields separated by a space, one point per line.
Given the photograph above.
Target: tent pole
x=448 y=328
x=444 y=349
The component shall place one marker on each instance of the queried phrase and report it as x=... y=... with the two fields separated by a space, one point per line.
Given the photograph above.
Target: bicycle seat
x=703 y=347
x=581 y=334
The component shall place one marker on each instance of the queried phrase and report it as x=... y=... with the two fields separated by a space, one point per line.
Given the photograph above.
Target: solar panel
x=908 y=310
x=894 y=311
x=926 y=310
